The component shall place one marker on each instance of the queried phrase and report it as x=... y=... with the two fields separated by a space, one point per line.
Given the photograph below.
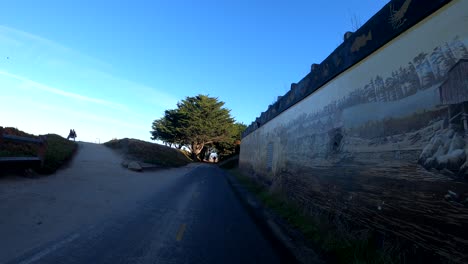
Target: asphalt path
x=195 y=218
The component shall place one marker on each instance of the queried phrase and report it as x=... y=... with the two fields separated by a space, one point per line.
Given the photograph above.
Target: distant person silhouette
x=72 y=134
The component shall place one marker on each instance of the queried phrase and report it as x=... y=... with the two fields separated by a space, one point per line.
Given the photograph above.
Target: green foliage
x=17 y=149
x=169 y=128
x=59 y=151
x=231 y=145
x=198 y=122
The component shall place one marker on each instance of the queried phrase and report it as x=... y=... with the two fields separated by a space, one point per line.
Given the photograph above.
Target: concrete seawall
x=381 y=140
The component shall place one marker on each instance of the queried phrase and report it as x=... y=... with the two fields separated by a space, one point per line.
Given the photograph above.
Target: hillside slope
x=149 y=152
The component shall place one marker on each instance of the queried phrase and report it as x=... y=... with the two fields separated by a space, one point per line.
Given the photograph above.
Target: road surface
x=185 y=215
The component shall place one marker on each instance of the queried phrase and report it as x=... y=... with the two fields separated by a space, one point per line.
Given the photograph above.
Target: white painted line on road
x=50 y=249
x=180 y=234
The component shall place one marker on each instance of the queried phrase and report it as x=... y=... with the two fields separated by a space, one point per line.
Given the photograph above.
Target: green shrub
x=59 y=151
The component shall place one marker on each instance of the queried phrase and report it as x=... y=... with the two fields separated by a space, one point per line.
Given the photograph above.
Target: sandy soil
x=92 y=188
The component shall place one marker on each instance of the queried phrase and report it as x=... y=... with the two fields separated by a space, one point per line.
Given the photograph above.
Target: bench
x=24 y=162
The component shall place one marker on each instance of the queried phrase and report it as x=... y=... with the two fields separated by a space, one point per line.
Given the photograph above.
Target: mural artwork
x=420 y=106
x=390 y=155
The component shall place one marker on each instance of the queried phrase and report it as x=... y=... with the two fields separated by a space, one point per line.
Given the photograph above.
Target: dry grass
x=329 y=235
x=149 y=152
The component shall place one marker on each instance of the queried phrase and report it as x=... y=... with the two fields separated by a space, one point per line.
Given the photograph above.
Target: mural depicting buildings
x=383 y=145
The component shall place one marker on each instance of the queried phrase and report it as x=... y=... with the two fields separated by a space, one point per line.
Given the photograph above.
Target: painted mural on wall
x=361 y=153
x=389 y=153
x=400 y=113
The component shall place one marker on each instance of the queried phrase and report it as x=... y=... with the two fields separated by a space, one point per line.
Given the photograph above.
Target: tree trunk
x=203 y=153
x=196 y=148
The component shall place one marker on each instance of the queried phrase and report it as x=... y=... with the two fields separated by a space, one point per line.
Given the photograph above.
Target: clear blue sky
x=109 y=68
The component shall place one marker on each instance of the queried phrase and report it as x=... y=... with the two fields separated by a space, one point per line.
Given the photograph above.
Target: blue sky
x=109 y=68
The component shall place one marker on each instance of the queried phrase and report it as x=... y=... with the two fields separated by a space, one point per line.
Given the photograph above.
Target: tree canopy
x=231 y=145
x=169 y=128
x=196 y=123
